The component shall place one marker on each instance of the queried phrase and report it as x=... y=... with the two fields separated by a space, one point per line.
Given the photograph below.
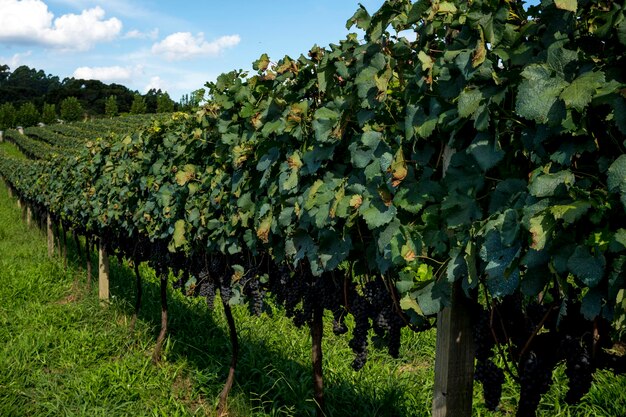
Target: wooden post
x=50 y=237
x=317 y=333
x=454 y=360
x=88 y=250
x=103 y=274
x=10 y=190
x=29 y=216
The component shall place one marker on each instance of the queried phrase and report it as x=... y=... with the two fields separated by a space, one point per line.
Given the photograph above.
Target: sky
x=169 y=45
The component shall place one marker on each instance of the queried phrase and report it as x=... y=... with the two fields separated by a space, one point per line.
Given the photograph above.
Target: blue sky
x=175 y=46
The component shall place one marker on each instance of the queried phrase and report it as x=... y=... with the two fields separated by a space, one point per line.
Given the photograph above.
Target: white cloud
x=30 y=22
x=107 y=74
x=136 y=34
x=183 y=45
x=155 y=83
x=16 y=60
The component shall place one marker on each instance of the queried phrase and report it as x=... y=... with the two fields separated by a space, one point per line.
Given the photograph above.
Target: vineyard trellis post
x=454 y=360
x=29 y=216
x=103 y=272
x=50 y=236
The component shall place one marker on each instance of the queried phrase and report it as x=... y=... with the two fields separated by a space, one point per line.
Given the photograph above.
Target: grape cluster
x=578 y=368
x=492 y=378
x=483 y=336
x=535 y=377
x=538 y=337
x=207 y=289
x=254 y=293
x=374 y=309
x=371 y=306
x=361 y=312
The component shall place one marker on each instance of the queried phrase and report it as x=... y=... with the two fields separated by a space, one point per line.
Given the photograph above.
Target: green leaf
x=501 y=272
x=569 y=5
x=426 y=60
x=588 y=268
x=580 y=92
x=619 y=113
x=570 y=213
x=186 y=174
x=417 y=11
x=460 y=209
x=413 y=197
x=591 y=305
x=408 y=303
x=333 y=249
x=262 y=63
x=538 y=93
x=486 y=151
x=417 y=122
x=547 y=185
x=405 y=281
x=470 y=256
x=361 y=18
x=618 y=241
x=366 y=85
x=541 y=228
x=289 y=180
x=510 y=227
x=433 y=297
x=324 y=121
x=179 y=234
x=469 y=100
x=457 y=267
x=533 y=282
x=447 y=7
x=376 y=214
x=616 y=177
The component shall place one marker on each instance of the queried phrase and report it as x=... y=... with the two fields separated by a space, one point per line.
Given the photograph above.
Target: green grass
x=62 y=354
x=11 y=150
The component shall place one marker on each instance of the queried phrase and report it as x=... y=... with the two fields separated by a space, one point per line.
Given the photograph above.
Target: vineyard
x=469 y=177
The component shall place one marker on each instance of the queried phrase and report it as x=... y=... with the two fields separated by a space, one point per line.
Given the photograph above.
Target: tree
x=5 y=71
x=28 y=115
x=110 y=106
x=190 y=102
x=49 y=113
x=151 y=98
x=7 y=116
x=139 y=105
x=164 y=104
x=71 y=109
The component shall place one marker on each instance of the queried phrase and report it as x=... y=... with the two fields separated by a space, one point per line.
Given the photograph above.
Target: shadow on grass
x=270 y=379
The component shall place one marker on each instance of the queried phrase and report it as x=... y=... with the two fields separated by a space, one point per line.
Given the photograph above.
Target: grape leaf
x=591 y=305
x=179 y=234
x=588 y=268
x=376 y=214
x=501 y=271
x=569 y=5
x=469 y=100
x=538 y=93
x=547 y=185
x=616 y=177
x=580 y=92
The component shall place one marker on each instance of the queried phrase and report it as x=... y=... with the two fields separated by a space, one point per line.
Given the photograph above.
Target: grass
x=62 y=354
x=11 y=150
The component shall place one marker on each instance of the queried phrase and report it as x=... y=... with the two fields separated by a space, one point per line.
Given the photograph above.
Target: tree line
x=29 y=96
